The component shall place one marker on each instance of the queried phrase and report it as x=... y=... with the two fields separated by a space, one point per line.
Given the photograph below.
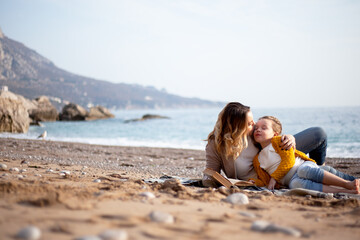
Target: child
x=291 y=168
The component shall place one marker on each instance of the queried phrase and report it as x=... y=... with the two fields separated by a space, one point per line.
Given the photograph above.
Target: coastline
x=68 y=206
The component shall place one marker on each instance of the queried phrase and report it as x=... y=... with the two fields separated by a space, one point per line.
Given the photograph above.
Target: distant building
x=4 y=88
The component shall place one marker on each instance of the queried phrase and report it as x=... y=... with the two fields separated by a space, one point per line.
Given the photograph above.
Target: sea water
x=188 y=128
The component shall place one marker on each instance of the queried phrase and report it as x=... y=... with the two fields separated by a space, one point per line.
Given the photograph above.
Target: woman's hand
x=272 y=184
x=288 y=142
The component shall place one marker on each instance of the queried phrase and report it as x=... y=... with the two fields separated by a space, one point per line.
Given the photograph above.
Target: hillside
x=27 y=73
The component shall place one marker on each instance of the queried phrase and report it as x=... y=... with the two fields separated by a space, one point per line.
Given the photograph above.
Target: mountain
x=27 y=73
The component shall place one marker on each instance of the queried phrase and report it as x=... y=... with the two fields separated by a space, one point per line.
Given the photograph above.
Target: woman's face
x=250 y=122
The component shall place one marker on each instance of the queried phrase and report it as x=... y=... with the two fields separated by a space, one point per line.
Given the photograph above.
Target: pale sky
x=283 y=53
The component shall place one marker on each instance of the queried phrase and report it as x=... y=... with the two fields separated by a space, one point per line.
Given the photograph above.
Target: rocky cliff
x=28 y=73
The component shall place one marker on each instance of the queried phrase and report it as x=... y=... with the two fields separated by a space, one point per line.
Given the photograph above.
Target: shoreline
x=69 y=190
x=135 y=144
x=172 y=161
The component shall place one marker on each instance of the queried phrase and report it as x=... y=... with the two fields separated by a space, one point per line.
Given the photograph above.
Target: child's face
x=264 y=132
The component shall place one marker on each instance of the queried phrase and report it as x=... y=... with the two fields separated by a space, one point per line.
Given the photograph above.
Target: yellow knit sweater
x=287 y=162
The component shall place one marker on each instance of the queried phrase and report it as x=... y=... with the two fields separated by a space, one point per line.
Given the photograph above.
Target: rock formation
x=99 y=112
x=147 y=117
x=73 y=112
x=18 y=112
x=14 y=117
x=44 y=111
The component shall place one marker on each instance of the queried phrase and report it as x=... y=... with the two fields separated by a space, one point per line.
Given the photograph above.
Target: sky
x=279 y=53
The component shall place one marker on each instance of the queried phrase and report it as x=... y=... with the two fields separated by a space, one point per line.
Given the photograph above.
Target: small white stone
x=23 y=170
x=88 y=238
x=263 y=226
x=248 y=214
x=50 y=171
x=114 y=235
x=5 y=175
x=97 y=181
x=161 y=217
x=19 y=176
x=38 y=175
x=3 y=166
x=29 y=233
x=14 y=169
x=259 y=225
x=83 y=173
x=66 y=172
x=237 y=199
x=148 y=195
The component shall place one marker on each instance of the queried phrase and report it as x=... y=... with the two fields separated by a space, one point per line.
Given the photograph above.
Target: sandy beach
x=73 y=190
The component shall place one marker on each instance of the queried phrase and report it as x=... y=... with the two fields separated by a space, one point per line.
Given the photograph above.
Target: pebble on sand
x=29 y=233
x=161 y=217
x=263 y=226
x=248 y=214
x=148 y=195
x=66 y=172
x=3 y=166
x=237 y=199
x=88 y=238
x=14 y=169
x=114 y=235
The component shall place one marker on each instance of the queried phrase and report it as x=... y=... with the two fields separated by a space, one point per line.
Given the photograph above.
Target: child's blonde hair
x=276 y=124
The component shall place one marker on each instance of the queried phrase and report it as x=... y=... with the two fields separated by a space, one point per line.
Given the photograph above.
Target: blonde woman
x=231 y=149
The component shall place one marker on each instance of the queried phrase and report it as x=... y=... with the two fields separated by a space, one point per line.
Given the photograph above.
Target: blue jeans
x=310 y=176
x=312 y=141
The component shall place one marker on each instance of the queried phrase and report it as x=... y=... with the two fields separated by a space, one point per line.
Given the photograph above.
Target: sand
x=103 y=190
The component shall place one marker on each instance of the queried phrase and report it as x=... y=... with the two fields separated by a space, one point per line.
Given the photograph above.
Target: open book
x=227 y=182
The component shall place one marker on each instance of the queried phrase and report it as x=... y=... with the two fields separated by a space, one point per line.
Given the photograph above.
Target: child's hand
x=272 y=184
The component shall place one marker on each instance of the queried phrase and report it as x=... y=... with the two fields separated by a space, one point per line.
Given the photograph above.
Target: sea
x=188 y=128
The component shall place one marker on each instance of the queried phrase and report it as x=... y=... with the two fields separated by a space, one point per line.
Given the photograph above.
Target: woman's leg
x=313 y=141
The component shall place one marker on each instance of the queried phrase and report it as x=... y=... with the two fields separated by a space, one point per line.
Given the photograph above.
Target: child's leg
x=297 y=182
x=330 y=189
x=310 y=176
x=338 y=173
x=331 y=179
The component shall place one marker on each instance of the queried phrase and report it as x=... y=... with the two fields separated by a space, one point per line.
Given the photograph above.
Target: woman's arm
x=213 y=161
x=288 y=142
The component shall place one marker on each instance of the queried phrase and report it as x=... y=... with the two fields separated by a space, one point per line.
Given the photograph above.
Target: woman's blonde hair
x=230 y=131
x=276 y=124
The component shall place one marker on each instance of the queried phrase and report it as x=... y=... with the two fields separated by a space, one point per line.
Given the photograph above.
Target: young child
x=290 y=168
